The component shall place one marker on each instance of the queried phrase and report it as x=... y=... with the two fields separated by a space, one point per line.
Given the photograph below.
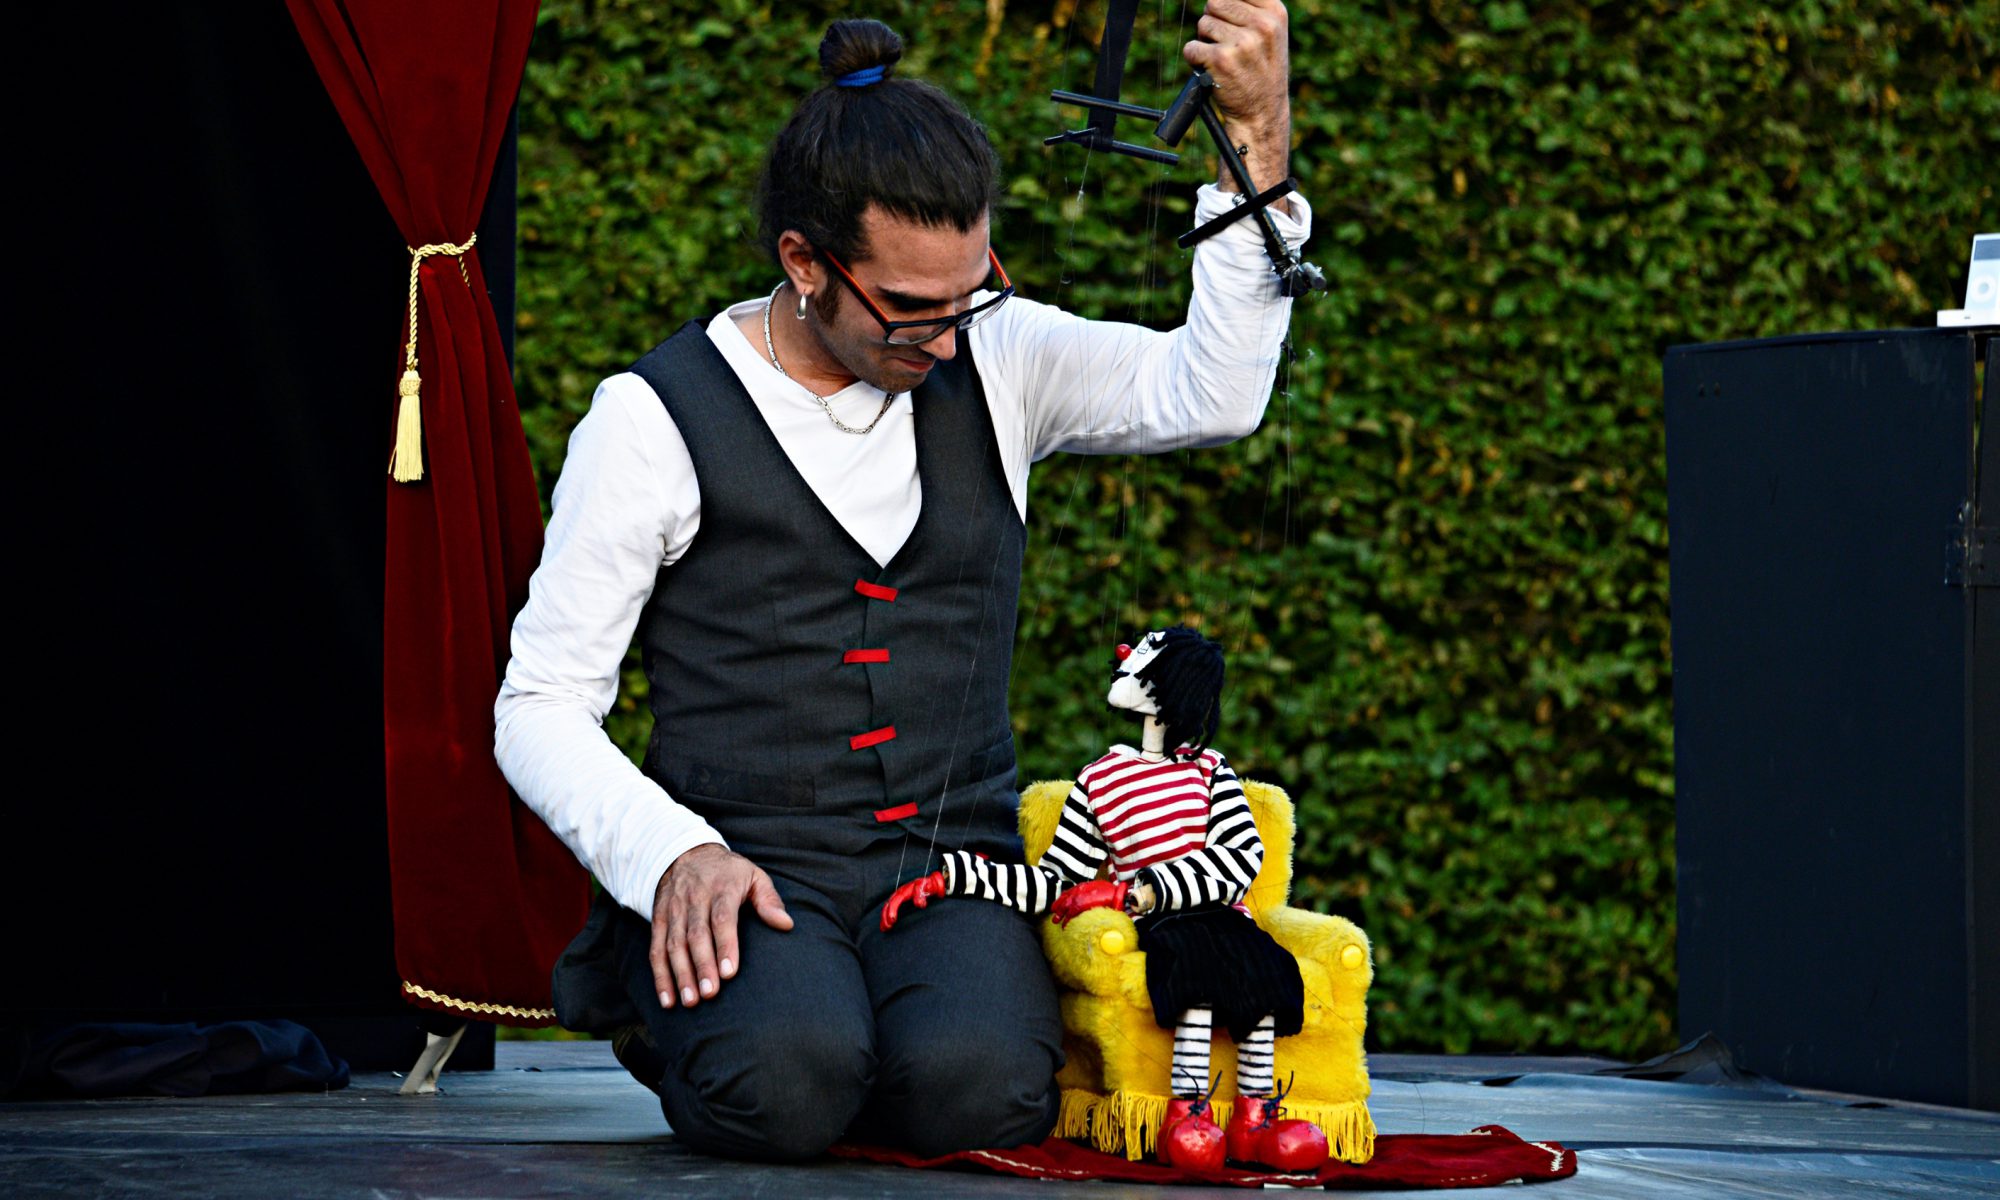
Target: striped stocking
x=1191 y=1040
x=1254 y=1073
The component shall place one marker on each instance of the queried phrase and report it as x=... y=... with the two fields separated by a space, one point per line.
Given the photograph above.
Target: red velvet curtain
x=484 y=895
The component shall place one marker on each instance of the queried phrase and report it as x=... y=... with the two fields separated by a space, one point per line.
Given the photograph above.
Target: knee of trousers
x=783 y=1096
x=958 y=1090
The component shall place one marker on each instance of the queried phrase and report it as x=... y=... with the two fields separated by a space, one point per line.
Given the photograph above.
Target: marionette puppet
x=1182 y=849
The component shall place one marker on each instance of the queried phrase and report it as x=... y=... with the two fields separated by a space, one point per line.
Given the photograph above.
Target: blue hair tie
x=863 y=77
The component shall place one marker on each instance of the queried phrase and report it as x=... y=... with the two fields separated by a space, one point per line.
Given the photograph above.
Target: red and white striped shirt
x=1146 y=811
x=1180 y=824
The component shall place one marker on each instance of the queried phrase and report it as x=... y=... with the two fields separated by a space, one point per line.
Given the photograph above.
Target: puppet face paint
x=1127 y=690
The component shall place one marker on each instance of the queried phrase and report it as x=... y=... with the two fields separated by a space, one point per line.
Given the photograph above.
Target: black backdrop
x=216 y=294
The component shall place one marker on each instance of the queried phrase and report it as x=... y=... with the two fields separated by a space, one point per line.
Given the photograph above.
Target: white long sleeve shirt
x=628 y=504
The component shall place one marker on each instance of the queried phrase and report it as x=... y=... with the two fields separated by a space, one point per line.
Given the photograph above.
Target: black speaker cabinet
x=1835 y=533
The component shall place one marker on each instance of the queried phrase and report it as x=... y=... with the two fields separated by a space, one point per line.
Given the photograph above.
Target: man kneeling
x=811 y=508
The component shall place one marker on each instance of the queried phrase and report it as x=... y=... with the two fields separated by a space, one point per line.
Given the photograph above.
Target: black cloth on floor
x=227 y=1058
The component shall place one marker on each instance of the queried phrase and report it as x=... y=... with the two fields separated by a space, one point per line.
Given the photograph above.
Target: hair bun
x=857 y=45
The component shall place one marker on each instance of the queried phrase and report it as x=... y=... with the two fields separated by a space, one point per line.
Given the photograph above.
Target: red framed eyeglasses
x=915 y=333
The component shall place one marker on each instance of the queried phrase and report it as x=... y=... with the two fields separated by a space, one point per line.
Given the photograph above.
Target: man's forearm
x=1267 y=153
x=621 y=825
x=1104 y=387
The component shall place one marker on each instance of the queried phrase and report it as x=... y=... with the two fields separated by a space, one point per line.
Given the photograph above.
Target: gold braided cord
x=476 y=1006
x=406 y=461
x=417 y=256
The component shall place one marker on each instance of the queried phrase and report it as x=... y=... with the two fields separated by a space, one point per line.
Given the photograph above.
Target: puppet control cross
x=1296 y=277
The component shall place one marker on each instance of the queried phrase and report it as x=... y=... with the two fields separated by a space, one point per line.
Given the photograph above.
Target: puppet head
x=1176 y=675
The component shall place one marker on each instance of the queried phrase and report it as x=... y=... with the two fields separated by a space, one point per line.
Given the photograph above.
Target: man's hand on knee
x=694 y=921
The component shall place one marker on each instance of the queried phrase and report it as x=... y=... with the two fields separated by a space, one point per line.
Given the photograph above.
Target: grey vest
x=807 y=701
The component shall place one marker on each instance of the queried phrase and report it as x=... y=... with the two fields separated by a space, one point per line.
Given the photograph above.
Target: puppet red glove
x=917 y=892
x=1098 y=893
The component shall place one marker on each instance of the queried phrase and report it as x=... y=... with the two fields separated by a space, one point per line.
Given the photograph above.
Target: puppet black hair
x=1185 y=680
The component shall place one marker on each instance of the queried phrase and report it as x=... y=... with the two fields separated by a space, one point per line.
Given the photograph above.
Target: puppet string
x=1128 y=527
x=964 y=703
x=1066 y=279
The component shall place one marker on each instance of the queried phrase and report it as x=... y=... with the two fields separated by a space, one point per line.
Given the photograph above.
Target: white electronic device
x=1982 y=286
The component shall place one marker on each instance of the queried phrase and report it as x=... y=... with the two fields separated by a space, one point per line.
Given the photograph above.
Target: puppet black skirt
x=1219 y=958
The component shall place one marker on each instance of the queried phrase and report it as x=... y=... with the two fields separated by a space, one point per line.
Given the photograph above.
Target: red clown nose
x=1124 y=652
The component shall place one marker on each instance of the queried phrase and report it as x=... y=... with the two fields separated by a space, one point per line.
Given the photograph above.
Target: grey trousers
x=941 y=1035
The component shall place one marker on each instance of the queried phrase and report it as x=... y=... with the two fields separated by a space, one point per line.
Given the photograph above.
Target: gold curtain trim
x=406 y=461
x=476 y=1006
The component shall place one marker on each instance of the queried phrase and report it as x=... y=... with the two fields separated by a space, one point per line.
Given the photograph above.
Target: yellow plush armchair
x=1115 y=1087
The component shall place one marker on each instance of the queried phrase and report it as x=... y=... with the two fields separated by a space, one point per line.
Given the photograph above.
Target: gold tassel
x=406 y=461
x=406 y=464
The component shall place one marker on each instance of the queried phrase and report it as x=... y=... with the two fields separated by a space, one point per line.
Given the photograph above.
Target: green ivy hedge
x=1440 y=567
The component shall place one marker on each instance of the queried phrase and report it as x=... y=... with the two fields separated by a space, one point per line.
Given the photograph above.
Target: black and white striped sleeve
x=1221 y=871
x=1074 y=856
x=1017 y=885
x=1078 y=850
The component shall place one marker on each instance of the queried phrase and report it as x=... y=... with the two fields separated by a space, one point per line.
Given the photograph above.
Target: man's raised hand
x=1245 y=46
x=694 y=921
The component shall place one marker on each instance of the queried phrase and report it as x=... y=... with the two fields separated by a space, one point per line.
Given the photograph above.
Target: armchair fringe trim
x=1129 y=1122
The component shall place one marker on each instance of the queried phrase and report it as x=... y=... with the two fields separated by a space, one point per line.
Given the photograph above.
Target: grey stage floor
x=562 y=1119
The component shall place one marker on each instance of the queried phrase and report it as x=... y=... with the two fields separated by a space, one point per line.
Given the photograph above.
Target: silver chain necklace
x=887 y=399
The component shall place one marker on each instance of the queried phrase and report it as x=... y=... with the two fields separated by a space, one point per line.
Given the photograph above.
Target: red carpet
x=1488 y=1155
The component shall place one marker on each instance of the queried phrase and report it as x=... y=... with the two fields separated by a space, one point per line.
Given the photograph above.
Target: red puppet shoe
x=1258 y=1136
x=1190 y=1138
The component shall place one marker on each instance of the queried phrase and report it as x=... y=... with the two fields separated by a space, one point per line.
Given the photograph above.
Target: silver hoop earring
x=802 y=305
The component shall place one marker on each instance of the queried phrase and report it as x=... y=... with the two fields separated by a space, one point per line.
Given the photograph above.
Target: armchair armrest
x=1334 y=964
x=1335 y=943
x=1098 y=953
